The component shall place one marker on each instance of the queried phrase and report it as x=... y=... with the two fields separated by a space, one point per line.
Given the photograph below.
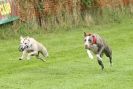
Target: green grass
x=68 y=66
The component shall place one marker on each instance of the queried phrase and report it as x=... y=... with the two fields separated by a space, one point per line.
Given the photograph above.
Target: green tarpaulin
x=8 y=11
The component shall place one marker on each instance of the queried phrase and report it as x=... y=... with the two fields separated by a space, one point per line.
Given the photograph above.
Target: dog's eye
x=25 y=43
x=84 y=39
x=89 y=40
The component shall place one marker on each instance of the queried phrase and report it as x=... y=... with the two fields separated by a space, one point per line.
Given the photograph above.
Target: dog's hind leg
x=108 y=53
x=38 y=57
x=44 y=52
x=110 y=59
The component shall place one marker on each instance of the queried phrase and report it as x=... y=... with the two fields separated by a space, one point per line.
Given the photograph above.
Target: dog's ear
x=21 y=38
x=89 y=34
x=84 y=33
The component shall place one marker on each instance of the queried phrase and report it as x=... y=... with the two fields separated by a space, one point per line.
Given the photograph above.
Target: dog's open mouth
x=20 y=49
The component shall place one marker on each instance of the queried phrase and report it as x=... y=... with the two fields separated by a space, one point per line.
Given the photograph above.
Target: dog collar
x=94 y=40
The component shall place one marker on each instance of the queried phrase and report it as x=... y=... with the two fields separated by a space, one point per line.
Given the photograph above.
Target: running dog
x=96 y=44
x=30 y=47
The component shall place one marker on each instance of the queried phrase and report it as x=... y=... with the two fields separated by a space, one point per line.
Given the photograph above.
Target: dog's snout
x=86 y=46
x=20 y=49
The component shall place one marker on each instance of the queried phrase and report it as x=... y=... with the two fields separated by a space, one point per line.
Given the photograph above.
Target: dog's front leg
x=23 y=55
x=32 y=54
x=89 y=54
x=99 y=59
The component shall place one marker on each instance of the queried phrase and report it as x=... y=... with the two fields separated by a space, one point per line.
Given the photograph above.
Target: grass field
x=68 y=66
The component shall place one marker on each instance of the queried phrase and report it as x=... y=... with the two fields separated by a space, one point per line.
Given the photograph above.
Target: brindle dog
x=96 y=44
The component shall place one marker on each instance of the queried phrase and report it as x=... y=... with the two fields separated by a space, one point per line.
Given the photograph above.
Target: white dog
x=30 y=47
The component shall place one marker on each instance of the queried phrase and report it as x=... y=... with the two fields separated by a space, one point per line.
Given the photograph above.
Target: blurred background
x=30 y=16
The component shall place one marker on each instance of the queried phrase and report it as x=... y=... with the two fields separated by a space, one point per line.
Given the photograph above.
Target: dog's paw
x=89 y=54
x=111 y=64
x=91 y=57
x=20 y=58
x=44 y=60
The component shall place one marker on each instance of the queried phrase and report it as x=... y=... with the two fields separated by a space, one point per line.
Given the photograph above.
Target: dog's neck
x=94 y=40
x=29 y=47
